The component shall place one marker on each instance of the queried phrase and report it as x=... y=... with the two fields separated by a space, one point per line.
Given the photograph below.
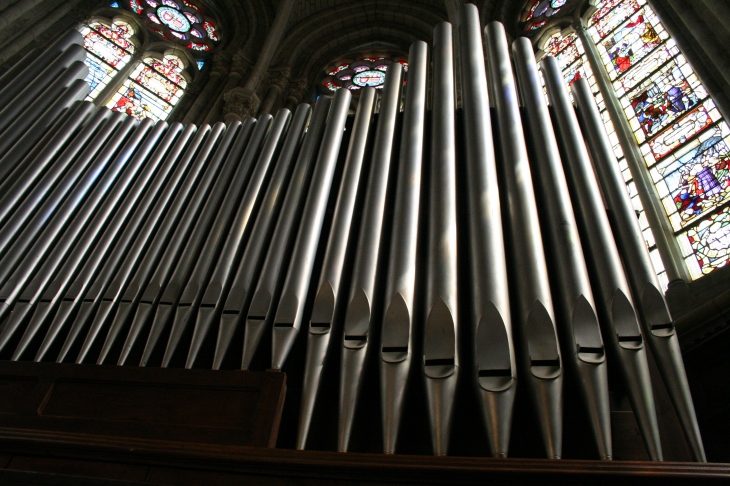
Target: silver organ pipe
x=539 y=357
x=131 y=242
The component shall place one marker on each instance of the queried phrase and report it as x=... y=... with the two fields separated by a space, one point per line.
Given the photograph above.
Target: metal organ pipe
x=495 y=373
x=575 y=308
x=115 y=233
x=617 y=313
x=359 y=315
x=656 y=320
x=534 y=322
x=330 y=296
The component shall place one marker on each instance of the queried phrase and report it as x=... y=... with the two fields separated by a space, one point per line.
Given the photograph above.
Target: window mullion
x=118 y=80
x=663 y=233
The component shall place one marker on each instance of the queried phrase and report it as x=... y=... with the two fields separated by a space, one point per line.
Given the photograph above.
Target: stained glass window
x=684 y=140
x=354 y=75
x=538 y=13
x=108 y=49
x=178 y=20
x=152 y=90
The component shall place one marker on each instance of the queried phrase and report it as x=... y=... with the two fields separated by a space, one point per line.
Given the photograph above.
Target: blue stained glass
x=114 y=4
x=200 y=65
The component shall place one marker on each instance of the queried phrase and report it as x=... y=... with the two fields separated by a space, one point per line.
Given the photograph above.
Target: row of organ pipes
x=122 y=239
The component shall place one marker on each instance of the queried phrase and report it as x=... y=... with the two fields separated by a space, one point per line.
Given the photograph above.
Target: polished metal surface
x=255 y=302
x=246 y=238
x=656 y=319
x=616 y=311
x=290 y=311
x=539 y=357
x=359 y=316
x=329 y=297
x=495 y=373
x=577 y=319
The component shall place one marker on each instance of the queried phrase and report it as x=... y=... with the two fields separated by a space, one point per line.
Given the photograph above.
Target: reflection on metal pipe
x=125 y=301
x=657 y=322
x=73 y=280
x=16 y=207
x=575 y=308
x=82 y=232
x=541 y=365
x=266 y=295
x=396 y=351
x=617 y=314
x=329 y=287
x=495 y=373
x=359 y=316
x=101 y=301
x=440 y=352
x=237 y=248
x=159 y=296
x=290 y=310
x=243 y=191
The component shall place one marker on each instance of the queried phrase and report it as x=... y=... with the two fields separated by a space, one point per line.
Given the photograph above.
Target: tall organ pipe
x=125 y=302
x=77 y=207
x=35 y=164
x=362 y=300
x=656 y=319
x=290 y=310
x=243 y=191
x=256 y=301
x=70 y=283
x=243 y=236
x=35 y=211
x=396 y=351
x=495 y=372
x=330 y=294
x=100 y=303
x=67 y=254
x=574 y=305
x=440 y=366
x=617 y=314
x=159 y=295
x=16 y=207
x=540 y=360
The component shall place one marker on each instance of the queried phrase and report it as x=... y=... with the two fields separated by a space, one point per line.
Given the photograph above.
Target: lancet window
x=684 y=141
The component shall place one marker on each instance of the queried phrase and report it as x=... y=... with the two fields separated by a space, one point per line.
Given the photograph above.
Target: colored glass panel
x=200 y=65
x=369 y=78
x=114 y=4
x=174 y=19
x=100 y=73
x=136 y=6
x=331 y=86
x=706 y=244
x=197 y=47
x=191 y=18
x=613 y=19
x=212 y=34
x=339 y=68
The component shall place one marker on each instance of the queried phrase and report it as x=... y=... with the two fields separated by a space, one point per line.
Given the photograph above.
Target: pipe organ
x=490 y=249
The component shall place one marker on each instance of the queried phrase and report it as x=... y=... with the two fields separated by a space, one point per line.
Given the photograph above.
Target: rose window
x=365 y=72
x=178 y=20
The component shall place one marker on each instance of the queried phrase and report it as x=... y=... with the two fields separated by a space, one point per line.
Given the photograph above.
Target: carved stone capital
x=297 y=89
x=221 y=65
x=241 y=102
x=279 y=78
x=240 y=65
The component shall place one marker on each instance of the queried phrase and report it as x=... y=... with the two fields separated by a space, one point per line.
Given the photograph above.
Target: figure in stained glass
x=130 y=102
x=709 y=241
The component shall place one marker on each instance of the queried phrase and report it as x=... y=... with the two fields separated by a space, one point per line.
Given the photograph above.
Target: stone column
x=297 y=92
x=239 y=68
x=38 y=29
x=218 y=70
x=245 y=97
x=663 y=232
x=279 y=83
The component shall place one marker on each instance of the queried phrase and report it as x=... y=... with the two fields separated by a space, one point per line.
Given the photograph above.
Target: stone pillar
x=297 y=92
x=218 y=70
x=663 y=232
x=245 y=98
x=38 y=29
x=239 y=68
x=279 y=83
